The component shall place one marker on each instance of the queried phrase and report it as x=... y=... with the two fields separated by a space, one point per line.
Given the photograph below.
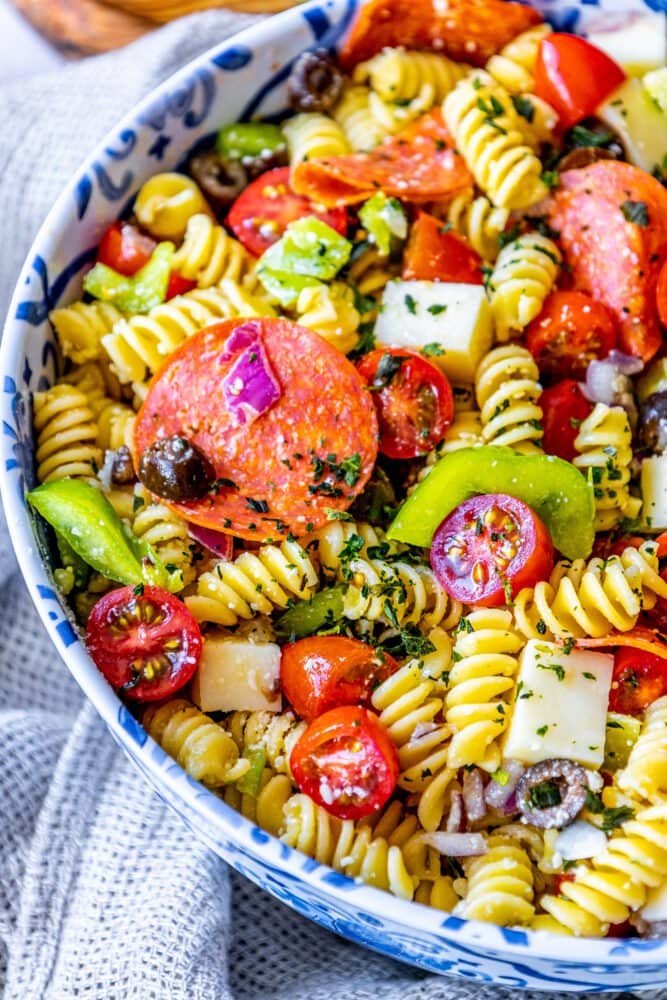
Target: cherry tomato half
x=346 y=762
x=434 y=253
x=125 y=249
x=413 y=398
x=571 y=331
x=321 y=672
x=661 y=294
x=147 y=645
x=639 y=678
x=489 y=548
x=574 y=77
x=564 y=407
x=260 y=215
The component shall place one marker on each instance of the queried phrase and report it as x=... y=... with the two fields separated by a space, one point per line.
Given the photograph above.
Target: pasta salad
x=356 y=473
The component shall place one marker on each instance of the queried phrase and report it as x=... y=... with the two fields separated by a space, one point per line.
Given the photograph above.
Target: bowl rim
x=529 y=944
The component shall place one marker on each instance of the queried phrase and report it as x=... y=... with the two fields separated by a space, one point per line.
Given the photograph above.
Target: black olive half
x=552 y=793
x=173 y=468
x=221 y=179
x=652 y=426
x=315 y=82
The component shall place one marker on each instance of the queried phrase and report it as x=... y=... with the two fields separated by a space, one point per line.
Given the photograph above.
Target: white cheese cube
x=235 y=674
x=655 y=907
x=635 y=40
x=654 y=492
x=639 y=122
x=455 y=317
x=561 y=705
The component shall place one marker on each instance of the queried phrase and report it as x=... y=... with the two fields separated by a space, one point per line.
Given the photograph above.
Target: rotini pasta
x=359 y=121
x=604 y=446
x=481 y=685
x=486 y=130
x=500 y=885
x=524 y=274
x=254 y=583
x=645 y=774
x=167 y=202
x=507 y=390
x=165 y=531
x=267 y=806
x=274 y=733
x=66 y=435
x=199 y=745
x=606 y=890
x=479 y=221
x=514 y=65
x=209 y=256
x=369 y=271
x=591 y=598
x=80 y=328
x=114 y=419
x=400 y=75
x=311 y=135
x=330 y=311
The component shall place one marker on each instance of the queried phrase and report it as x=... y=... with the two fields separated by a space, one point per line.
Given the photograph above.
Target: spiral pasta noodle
x=198 y=744
x=500 y=885
x=80 y=328
x=165 y=204
x=209 y=255
x=507 y=390
x=167 y=533
x=66 y=435
x=330 y=311
x=312 y=135
x=346 y=848
x=645 y=774
x=514 y=65
x=253 y=583
x=273 y=732
x=607 y=889
x=138 y=346
x=486 y=130
x=267 y=806
x=358 y=119
x=604 y=447
x=115 y=420
x=481 y=685
x=439 y=894
x=591 y=598
x=399 y=75
x=401 y=828
x=479 y=221
x=524 y=274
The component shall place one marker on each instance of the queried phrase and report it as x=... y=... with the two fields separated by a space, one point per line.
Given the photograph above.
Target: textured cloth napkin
x=104 y=894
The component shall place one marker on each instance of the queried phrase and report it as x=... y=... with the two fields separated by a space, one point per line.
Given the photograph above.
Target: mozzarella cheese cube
x=636 y=41
x=654 y=492
x=655 y=907
x=454 y=317
x=235 y=674
x=561 y=705
x=639 y=122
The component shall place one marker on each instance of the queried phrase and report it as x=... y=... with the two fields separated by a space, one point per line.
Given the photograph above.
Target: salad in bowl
x=353 y=481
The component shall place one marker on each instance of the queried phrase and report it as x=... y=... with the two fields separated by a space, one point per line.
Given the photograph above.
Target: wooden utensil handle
x=83 y=27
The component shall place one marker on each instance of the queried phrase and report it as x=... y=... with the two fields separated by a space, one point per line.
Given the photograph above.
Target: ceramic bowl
x=241 y=77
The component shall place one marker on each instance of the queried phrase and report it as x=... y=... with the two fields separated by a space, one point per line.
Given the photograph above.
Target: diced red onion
x=455 y=817
x=219 y=544
x=499 y=796
x=456 y=845
x=250 y=386
x=473 y=795
x=607 y=381
x=241 y=336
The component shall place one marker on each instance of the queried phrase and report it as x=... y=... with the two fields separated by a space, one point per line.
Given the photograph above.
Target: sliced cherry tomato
x=661 y=295
x=125 y=249
x=489 y=548
x=261 y=214
x=574 y=77
x=639 y=678
x=434 y=253
x=413 y=398
x=564 y=407
x=346 y=762
x=147 y=644
x=571 y=330
x=322 y=672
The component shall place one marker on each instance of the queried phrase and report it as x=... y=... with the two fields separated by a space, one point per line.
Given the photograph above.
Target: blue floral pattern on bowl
x=236 y=79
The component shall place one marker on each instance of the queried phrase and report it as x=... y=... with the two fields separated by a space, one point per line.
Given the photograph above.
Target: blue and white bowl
x=245 y=76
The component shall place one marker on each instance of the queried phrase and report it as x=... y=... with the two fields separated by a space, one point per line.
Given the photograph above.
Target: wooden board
x=83 y=27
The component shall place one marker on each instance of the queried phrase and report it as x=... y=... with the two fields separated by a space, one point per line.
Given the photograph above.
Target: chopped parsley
x=635 y=211
x=259 y=506
x=545 y=795
x=524 y=107
x=410 y=305
x=557 y=669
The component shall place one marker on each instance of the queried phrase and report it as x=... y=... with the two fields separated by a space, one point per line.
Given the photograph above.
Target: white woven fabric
x=104 y=895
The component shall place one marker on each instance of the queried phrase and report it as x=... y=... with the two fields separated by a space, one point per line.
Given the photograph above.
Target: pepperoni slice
x=418 y=165
x=615 y=213
x=468 y=30
x=650 y=640
x=313 y=448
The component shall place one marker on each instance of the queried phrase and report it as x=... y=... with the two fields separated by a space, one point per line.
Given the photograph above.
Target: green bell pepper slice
x=139 y=293
x=323 y=610
x=252 y=139
x=555 y=489
x=89 y=525
x=385 y=221
x=622 y=732
x=308 y=252
x=251 y=780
